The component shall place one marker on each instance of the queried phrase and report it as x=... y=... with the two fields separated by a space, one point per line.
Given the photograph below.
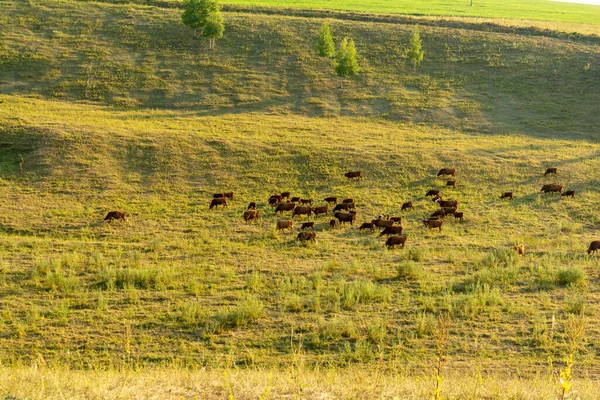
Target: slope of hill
x=125 y=110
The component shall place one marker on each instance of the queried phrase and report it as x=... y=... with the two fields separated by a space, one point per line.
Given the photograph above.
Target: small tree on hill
x=213 y=28
x=324 y=45
x=191 y=15
x=414 y=52
x=204 y=17
x=346 y=64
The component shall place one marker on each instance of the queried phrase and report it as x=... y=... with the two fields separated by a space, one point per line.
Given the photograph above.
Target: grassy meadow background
x=116 y=106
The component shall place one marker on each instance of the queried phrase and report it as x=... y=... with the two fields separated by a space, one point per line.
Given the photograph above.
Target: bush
x=408 y=270
x=193 y=315
x=376 y=332
x=570 y=277
x=246 y=312
x=416 y=254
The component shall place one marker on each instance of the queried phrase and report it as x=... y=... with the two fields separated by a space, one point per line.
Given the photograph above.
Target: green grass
x=125 y=110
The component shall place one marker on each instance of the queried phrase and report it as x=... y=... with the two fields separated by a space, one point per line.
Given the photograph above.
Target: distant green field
x=530 y=9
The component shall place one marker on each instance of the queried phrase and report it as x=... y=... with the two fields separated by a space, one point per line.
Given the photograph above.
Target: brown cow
x=285 y=195
x=285 y=224
x=397 y=220
x=438 y=213
x=569 y=193
x=367 y=225
x=594 y=247
x=395 y=240
x=320 y=210
x=251 y=214
x=451 y=183
x=301 y=210
x=432 y=192
x=306 y=201
x=305 y=236
x=345 y=217
x=459 y=215
x=281 y=207
x=391 y=230
x=447 y=171
x=354 y=174
x=407 y=205
x=221 y=201
x=252 y=206
x=520 y=249
x=552 y=188
x=447 y=203
x=551 y=171
x=348 y=201
x=331 y=200
x=507 y=195
x=275 y=199
x=296 y=199
x=437 y=197
x=449 y=210
x=344 y=206
x=228 y=195
x=115 y=215
x=433 y=223
x=307 y=225
x=382 y=223
x=333 y=223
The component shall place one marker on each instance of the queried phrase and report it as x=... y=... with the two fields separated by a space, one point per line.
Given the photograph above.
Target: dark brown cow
x=296 y=199
x=433 y=223
x=354 y=174
x=344 y=206
x=507 y=195
x=520 y=249
x=552 y=188
x=382 y=223
x=331 y=200
x=345 y=217
x=447 y=171
x=348 y=201
x=569 y=193
x=306 y=236
x=367 y=225
x=397 y=220
x=252 y=206
x=306 y=201
x=395 y=241
x=275 y=199
x=459 y=215
x=115 y=215
x=285 y=195
x=438 y=213
x=447 y=203
x=221 y=201
x=307 y=225
x=391 y=230
x=407 y=205
x=320 y=210
x=449 y=210
x=285 y=224
x=451 y=183
x=302 y=210
x=332 y=223
x=594 y=247
x=281 y=207
x=432 y=192
x=551 y=171
x=251 y=215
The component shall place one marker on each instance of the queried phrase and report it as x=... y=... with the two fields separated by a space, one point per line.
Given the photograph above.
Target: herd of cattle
x=345 y=211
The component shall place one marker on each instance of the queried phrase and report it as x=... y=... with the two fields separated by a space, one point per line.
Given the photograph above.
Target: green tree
x=414 y=52
x=324 y=45
x=203 y=16
x=346 y=64
x=213 y=28
x=191 y=14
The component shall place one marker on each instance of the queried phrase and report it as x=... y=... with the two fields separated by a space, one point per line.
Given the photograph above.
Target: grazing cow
x=252 y=206
x=459 y=215
x=451 y=183
x=382 y=223
x=438 y=213
x=345 y=217
x=397 y=220
x=320 y=210
x=115 y=215
x=354 y=174
x=331 y=200
x=285 y=224
x=275 y=199
x=432 y=192
x=344 y=206
x=391 y=230
x=395 y=241
x=306 y=236
x=449 y=210
x=228 y=195
x=296 y=199
x=569 y=193
x=285 y=195
x=348 y=201
x=302 y=210
x=551 y=171
x=447 y=203
x=447 y=171
x=251 y=214
x=507 y=195
x=520 y=249
x=307 y=225
x=552 y=188
x=333 y=223
x=432 y=223
x=306 y=201
x=594 y=247
x=281 y=207
x=221 y=201
x=407 y=205
x=367 y=225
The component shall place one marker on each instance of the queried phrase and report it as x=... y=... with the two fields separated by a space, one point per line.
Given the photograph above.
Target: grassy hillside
x=125 y=110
